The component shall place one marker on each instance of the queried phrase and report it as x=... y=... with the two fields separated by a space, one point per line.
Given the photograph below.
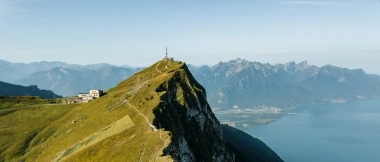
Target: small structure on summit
x=167 y=56
x=93 y=94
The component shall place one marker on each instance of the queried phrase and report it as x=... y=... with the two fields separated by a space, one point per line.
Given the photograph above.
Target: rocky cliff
x=196 y=133
x=184 y=111
x=158 y=114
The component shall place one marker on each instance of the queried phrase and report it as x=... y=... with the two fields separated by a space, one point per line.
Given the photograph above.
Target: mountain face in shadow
x=7 y=89
x=158 y=114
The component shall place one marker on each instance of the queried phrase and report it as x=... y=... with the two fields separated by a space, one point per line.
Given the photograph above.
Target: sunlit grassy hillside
x=116 y=126
x=159 y=114
x=24 y=128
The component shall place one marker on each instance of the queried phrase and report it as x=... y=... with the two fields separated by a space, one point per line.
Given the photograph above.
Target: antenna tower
x=167 y=52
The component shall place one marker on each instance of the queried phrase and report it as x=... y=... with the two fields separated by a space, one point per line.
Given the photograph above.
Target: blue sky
x=342 y=33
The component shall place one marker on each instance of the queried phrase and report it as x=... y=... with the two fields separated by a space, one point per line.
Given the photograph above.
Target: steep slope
x=246 y=147
x=196 y=133
x=7 y=89
x=159 y=114
x=21 y=129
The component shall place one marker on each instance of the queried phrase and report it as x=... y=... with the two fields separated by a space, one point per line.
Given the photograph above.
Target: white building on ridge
x=85 y=97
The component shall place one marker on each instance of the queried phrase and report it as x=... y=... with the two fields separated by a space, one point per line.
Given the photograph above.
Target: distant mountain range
x=68 y=81
x=65 y=79
x=12 y=72
x=158 y=114
x=7 y=89
x=237 y=83
x=244 y=84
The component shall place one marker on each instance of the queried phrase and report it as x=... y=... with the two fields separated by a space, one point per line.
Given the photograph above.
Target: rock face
x=196 y=133
x=182 y=110
x=159 y=114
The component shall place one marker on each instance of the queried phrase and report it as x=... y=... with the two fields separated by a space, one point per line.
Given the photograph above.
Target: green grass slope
x=24 y=128
x=133 y=142
x=158 y=114
x=49 y=132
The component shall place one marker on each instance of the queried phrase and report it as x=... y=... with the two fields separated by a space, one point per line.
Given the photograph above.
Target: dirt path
x=138 y=80
x=146 y=118
x=157 y=66
x=163 y=144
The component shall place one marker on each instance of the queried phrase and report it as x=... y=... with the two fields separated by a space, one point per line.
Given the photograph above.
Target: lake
x=348 y=132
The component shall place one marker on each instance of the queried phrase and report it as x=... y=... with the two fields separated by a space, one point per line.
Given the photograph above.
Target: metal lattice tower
x=166 y=52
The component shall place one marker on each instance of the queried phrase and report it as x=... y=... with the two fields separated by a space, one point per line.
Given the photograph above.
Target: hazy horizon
x=342 y=33
x=210 y=65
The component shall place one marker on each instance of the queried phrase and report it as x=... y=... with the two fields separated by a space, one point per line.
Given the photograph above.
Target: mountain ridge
x=239 y=82
x=284 y=85
x=17 y=71
x=158 y=114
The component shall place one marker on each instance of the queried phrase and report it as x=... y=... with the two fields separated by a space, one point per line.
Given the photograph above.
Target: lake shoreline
x=325 y=132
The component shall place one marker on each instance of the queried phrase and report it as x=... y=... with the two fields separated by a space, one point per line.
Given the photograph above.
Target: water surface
x=327 y=132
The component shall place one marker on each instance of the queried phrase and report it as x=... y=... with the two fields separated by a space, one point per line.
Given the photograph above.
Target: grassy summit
x=158 y=114
x=112 y=127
